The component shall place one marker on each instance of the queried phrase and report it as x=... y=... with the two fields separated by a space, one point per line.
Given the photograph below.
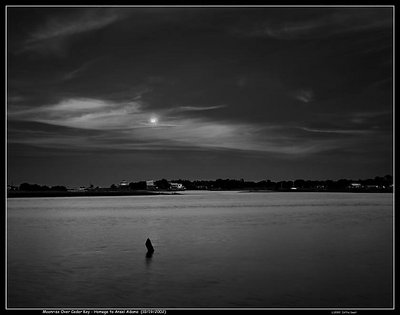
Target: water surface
x=212 y=249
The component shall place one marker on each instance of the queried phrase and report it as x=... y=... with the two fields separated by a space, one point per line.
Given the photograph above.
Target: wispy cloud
x=88 y=20
x=327 y=23
x=304 y=95
x=339 y=131
x=368 y=116
x=52 y=34
x=86 y=113
x=200 y=108
x=79 y=70
x=126 y=126
x=289 y=30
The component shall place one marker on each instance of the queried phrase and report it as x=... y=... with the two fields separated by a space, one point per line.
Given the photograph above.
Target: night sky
x=99 y=95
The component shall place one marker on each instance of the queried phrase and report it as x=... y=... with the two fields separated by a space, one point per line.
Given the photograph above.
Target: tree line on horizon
x=384 y=183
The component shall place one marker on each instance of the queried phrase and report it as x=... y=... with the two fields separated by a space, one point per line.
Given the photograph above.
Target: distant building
x=355 y=186
x=11 y=187
x=374 y=187
x=150 y=185
x=76 y=189
x=176 y=186
x=202 y=187
x=123 y=184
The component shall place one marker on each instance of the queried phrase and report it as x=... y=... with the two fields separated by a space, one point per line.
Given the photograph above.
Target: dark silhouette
x=138 y=185
x=377 y=184
x=150 y=248
x=162 y=184
x=36 y=187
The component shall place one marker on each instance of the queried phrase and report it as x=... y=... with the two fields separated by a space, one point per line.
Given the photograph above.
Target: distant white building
x=123 y=183
x=176 y=186
x=76 y=189
x=355 y=186
x=150 y=185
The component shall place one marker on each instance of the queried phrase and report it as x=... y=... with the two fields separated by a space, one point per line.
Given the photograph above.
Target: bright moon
x=153 y=120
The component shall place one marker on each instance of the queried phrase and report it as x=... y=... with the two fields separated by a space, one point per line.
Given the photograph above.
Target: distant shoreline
x=24 y=194
x=33 y=194
x=317 y=191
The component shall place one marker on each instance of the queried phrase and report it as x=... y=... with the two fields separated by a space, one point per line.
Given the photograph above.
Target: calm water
x=212 y=249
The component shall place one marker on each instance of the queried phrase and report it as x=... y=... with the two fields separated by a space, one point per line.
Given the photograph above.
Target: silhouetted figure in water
x=150 y=248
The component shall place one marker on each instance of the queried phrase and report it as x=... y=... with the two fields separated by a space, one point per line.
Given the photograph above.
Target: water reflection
x=149 y=256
